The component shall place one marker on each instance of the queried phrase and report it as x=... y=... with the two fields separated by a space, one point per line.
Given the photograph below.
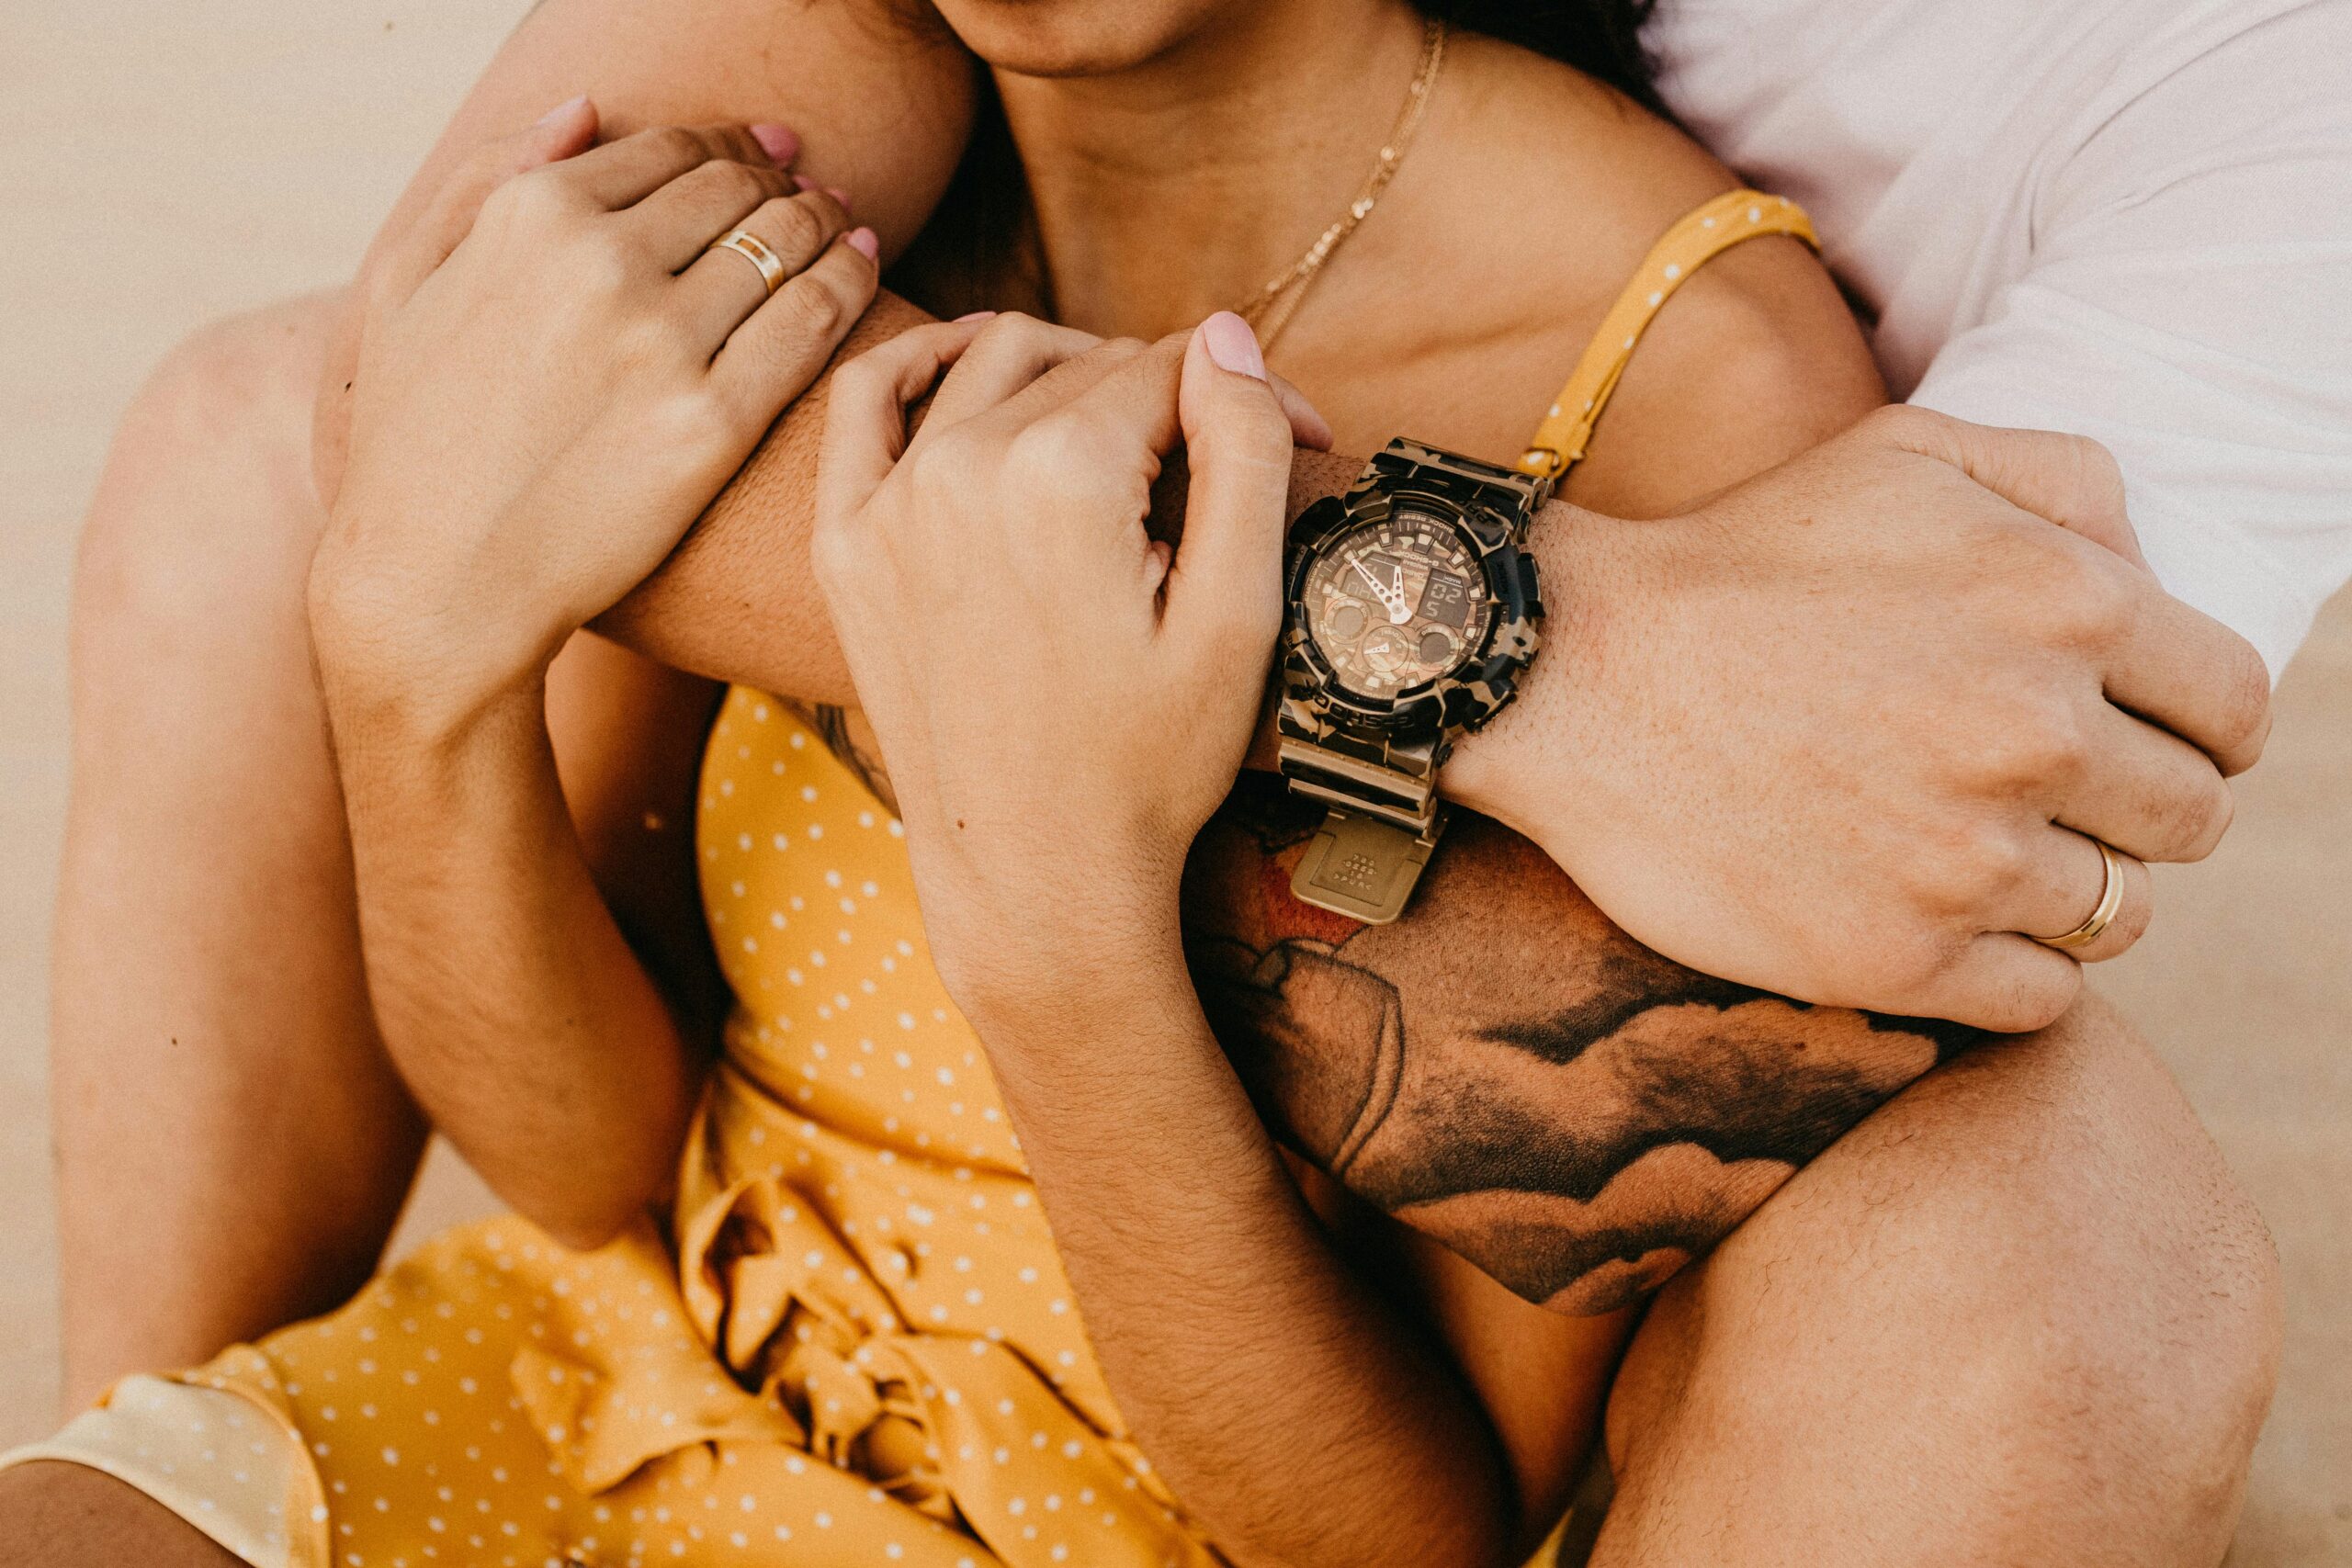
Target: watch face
x=1396 y=604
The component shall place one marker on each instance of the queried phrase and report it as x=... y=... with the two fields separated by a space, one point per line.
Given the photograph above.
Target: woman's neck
x=1180 y=185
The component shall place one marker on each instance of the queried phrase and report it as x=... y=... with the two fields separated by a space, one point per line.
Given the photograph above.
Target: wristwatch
x=1412 y=608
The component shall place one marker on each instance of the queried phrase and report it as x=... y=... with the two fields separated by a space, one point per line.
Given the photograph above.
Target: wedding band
x=2110 y=900
x=754 y=249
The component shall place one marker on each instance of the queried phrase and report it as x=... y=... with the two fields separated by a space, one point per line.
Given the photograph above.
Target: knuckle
x=860 y=380
x=811 y=309
x=656 y=345
x=2245 y=704
x=2038 y=742
x=738 y=183
x=598 y=267
x=535 y=197
x=1013 y=331
x=945 y=465
x=2038 y=996
x=2100 y=475
x=1050 y=451
x=1977 y=865
x=2203 y=818
x=1908 y=961
x=1998 y=864
x=793 y=227
x=2087 y=597
x=655 y=341
x=672 y=142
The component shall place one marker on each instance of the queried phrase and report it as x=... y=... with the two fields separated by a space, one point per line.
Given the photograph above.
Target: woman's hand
x=557 y=373
x=1061 y=700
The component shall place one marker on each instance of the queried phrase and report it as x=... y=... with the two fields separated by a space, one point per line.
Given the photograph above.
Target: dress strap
x=1697 y=239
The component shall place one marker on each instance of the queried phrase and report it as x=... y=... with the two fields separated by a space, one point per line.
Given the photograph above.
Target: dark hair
x=981 y=225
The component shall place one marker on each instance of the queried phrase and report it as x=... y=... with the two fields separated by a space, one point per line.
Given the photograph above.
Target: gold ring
x=2110 y=900
x=754 y=249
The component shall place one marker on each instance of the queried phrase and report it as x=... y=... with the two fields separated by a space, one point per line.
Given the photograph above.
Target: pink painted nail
x=973 y=316
x=806 y=183
x=1233 y=345
x=562 y=110
x=839 y=195
x=863 y=242
x=777 y=142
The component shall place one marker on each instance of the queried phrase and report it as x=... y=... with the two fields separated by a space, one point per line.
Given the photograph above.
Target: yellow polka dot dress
x=862 y=1350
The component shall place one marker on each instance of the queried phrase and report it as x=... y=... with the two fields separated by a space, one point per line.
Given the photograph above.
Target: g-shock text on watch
x=1412 y=608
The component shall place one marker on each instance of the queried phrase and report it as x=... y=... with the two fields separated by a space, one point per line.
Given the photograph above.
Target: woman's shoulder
x=1756 y=357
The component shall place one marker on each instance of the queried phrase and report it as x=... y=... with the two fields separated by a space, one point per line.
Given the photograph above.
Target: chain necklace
x=1274 y=304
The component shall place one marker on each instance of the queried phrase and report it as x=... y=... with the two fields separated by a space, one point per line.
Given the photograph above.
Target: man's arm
x=1864 y=685
x=1506 y=1071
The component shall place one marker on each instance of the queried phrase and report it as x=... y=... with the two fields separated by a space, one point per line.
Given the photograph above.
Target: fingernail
x=569 y=106
x=973 y=316
x=863 y=242
x=805 y=183
x=839 y=195
x=777 y=142
x=1233 y=345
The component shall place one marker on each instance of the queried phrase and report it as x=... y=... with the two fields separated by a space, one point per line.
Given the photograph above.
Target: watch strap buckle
x=1362 y=866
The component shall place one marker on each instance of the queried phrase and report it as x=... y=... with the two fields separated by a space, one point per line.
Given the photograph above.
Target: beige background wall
x=162 y=164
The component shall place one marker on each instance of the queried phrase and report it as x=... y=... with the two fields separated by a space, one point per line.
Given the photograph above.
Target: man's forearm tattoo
x=832 y=727
x=1507 y=1071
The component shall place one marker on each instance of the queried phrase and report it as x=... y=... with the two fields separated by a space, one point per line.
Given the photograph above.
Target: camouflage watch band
x=1380 y=785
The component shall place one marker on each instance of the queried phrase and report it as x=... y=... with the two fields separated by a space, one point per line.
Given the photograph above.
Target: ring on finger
x=754 y=249
x=2111 y=902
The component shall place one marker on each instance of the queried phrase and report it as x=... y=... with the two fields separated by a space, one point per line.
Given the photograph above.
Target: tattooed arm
x=1506 y=1071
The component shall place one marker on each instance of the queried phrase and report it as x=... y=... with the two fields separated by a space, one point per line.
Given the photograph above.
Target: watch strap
x=1384 y=817
x=1410 y=465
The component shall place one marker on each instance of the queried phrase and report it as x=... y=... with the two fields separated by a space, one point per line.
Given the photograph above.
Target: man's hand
x=1847 y=731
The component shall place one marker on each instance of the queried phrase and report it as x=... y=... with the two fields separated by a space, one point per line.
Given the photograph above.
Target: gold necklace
x=1272 y=308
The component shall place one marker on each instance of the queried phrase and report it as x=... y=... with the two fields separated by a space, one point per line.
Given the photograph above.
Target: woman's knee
x=206 y=516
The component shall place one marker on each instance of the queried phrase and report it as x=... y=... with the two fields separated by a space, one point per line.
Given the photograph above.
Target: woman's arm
x=550 y=392
x=1300 y=1417
x=517 y=1012
x=866 y=96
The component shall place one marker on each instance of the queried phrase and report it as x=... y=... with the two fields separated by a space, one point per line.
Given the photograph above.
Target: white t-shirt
x=2127 y=219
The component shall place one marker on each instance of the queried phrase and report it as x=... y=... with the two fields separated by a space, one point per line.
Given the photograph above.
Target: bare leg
x=2021 y=1314
x=234 y=1145
x=66 y=1516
